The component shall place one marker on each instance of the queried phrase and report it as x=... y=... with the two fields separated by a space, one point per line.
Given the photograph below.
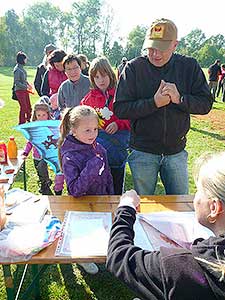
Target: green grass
x=68 y=281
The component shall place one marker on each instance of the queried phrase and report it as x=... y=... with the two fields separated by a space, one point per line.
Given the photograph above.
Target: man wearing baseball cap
x=41 y=69
x=158 y=92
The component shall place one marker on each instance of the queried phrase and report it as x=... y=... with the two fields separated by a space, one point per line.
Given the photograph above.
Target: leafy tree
x=115 y=54
x=47 y=16
x=217 y=41
x=41 y=26
x=106 y=28
x=3 y=41
x=86 y=15
x=204 y=50
x=208 y=54
x=192 y=43
x=135 y=42
x=66 y=30
x=88 y=28
x=13 y=30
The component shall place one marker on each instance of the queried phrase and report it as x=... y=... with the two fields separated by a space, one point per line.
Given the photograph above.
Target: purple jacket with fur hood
x=85 y=173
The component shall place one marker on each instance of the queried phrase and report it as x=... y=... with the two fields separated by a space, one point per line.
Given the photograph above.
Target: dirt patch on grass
x=216 y=118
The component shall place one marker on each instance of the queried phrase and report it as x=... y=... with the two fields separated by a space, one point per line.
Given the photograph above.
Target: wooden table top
x=59 y=204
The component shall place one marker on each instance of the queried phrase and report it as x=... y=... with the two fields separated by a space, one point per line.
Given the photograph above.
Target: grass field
x=68 y=281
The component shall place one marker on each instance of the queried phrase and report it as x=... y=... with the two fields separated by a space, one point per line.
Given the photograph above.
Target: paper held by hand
x=168 y=229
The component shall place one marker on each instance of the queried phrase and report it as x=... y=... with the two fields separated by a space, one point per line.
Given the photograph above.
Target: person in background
x=76 y=86
x=175 y=273
x=41 y=69
x=114 y=133
x=157 y=93
x=84 y=64
x=21 y=88
x=220 y=81
x=214 y=71
x=55 y=115
x=41 y=112
x=223 y=94
x=83 y=161
x=55 y=112
x=121 y=66
x=55 y=75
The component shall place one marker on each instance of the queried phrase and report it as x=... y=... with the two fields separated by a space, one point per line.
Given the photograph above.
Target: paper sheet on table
x=171 y=229
x=85 y=234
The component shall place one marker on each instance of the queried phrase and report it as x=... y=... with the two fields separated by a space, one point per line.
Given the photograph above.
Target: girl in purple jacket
x=83 y=161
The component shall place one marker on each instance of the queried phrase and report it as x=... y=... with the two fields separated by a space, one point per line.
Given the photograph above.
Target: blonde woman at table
x=83 y=161
x=173 y=273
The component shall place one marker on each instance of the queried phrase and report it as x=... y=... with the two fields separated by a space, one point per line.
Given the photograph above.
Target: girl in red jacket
x=113 y=133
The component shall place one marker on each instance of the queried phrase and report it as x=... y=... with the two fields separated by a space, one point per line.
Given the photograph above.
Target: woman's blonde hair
x=209 y=172
x=71 y=118
x=43 y=107
x=101 y=65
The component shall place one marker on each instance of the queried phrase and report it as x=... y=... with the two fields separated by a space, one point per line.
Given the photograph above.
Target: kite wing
x=44 y=136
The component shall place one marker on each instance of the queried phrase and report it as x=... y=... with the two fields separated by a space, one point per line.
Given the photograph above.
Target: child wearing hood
x=83 y=160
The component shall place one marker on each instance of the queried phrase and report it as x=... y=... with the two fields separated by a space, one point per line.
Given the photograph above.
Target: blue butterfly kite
x=44 y=136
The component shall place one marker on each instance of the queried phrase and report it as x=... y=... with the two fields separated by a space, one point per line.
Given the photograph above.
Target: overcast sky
x=194 y=14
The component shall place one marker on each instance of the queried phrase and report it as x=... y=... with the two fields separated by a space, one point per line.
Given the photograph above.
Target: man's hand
x=160 y=98
x=130 y=198
x=111 y=128
x=170 y=89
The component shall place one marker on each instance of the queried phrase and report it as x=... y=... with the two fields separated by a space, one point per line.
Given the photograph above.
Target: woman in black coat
x=175 y=273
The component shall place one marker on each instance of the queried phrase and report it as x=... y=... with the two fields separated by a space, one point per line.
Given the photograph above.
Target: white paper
x=15 y=197
x=171 y=229
x=29 y=211
x=85 y=234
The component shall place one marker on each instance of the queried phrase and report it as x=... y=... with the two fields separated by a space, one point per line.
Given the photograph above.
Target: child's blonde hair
x=71 y=118
x=43 y=107
x=101 y=65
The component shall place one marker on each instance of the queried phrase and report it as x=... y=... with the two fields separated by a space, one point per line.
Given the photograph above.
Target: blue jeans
x=173 y=171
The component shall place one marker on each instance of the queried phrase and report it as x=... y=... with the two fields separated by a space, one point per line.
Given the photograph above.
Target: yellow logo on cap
x=157 y=32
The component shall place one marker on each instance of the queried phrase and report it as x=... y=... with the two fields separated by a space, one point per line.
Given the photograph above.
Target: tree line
x=87 y=28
